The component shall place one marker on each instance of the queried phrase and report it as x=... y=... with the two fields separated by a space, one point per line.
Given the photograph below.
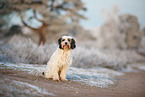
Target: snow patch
x=141 y=67
x=33 y=69
x=99 y=77
x=13 y=88
x=34 y=88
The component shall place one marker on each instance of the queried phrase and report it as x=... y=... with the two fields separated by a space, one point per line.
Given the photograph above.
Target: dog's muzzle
x=65 y=45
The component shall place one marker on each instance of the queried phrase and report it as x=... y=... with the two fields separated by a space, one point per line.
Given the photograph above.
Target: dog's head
x=66 y=43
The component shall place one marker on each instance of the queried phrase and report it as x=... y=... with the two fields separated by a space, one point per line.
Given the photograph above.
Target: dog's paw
x=64 y=79
x=56 y=79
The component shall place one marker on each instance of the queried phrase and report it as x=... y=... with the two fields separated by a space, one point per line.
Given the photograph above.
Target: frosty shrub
x=116 y=59
x=21 y=50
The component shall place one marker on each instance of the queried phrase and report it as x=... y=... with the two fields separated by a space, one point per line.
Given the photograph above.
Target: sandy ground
x=129 y=85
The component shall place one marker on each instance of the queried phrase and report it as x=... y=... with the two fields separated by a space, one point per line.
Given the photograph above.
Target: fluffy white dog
x=61 y=59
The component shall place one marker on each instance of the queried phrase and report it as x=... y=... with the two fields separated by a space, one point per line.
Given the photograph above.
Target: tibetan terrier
x=61 y=59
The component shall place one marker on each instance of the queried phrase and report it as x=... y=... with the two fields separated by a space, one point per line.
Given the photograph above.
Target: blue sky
x=94 y=8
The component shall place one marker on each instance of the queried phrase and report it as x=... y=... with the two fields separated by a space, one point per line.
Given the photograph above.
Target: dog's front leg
x=63 y=73
x=55 y=74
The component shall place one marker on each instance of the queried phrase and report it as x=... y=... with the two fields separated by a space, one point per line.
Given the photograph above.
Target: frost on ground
x=13 y=88
x=99 y=77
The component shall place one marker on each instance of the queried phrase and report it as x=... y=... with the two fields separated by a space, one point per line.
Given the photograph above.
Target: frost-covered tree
x=54 y=15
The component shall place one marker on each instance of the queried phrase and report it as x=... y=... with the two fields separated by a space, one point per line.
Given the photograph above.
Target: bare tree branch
x=27 y=24
x=35 y=16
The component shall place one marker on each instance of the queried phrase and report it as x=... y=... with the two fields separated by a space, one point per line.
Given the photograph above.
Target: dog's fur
x=61 y=59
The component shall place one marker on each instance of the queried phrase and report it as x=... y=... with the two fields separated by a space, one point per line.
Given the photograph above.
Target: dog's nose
x=65 y=43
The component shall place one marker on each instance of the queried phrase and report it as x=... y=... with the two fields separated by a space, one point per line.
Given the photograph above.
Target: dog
x=61 y=59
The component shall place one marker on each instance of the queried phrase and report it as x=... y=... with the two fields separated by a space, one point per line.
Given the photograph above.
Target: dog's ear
x=73 y=43
x=59 y=43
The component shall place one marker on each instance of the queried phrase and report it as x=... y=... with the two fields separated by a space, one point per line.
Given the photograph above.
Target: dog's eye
x=63 y=40
x=68 y=39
